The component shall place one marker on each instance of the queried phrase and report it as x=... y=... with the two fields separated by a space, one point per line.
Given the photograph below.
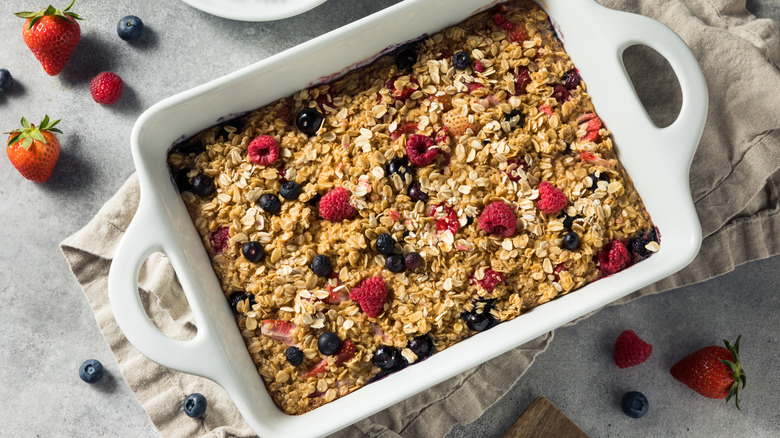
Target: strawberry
x=34 y=150
x=590 y=124
x=446 y=218
x=714 y=371
x=52 y=35
x=456 y=123
x=278 y=330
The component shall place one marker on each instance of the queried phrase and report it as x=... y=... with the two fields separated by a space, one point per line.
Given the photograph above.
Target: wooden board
x=542 y=420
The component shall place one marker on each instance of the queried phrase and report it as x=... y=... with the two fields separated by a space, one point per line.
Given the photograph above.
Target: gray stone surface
x=48 y=328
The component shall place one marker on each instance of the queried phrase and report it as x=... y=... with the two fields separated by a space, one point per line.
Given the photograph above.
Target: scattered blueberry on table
x=195 y=405
x=5 y=79
x=91 y=371
x=130 y=28
x=634 y=404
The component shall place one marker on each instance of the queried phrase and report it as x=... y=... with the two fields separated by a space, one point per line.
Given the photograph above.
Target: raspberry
x=630 y=350
x=551 y=199
x=522 y=79
x=560 y=93
x=371 y=295
x=517 y=35
x=406 y=128
x=490 y=279
x=335 y=206
x=419 y=151
x=498 y=218
x=513 y=166
x=106 y=88
x=478 y=67
x=402 y=94
x=263 y=150
x=473 y=86
x=219 y=239
x=613 y=258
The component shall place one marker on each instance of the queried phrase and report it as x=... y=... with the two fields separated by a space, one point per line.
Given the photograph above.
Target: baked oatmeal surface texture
x=476 y=149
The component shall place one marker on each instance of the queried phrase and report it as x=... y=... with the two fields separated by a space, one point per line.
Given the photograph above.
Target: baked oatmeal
x=359 y=226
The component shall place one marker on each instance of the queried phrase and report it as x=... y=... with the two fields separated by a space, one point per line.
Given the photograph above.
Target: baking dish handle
x=633 y=29
x=143 y=237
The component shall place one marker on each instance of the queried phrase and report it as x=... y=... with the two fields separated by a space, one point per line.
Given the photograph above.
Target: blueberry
x=5 y=79
x=394 y=263
x=314 y=200
x=270 y=203
x=294 y=355
x=399 y=165
x=385 y=243
x=568 y=221
x=202 y=186
x=634 y=404
x=91 y=371
x=309 y=121
x=571 y=241
x=413 y=260
x=321 y=265
x=478 y=321
x=461 y=60
x=652 y=235
x=405 y=57
x=182 y=180
x=637 y=247
x=386 y=357
x=239 y=296
x=195 y=405
x=328 y=343
x=130 y=28
x=602 y=177
x=290 y=190
x=253 y=251
x=510 y=118
x=416 y=193
x=422 y=346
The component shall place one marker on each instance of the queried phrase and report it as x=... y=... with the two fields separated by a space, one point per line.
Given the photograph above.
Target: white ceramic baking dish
x=657 y=160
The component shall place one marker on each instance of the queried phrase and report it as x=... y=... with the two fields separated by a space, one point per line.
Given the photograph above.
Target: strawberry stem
x=29 y=133
x=736 y=368
x=34 y=17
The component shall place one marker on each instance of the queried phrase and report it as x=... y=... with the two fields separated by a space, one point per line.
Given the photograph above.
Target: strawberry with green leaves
x=714 y=372
x=34 y=150
x=52 y=35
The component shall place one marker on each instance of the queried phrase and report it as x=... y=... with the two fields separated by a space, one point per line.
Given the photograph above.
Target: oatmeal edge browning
x=448 y=186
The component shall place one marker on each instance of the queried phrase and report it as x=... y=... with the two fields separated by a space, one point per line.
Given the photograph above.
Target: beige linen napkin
x=735 y=184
